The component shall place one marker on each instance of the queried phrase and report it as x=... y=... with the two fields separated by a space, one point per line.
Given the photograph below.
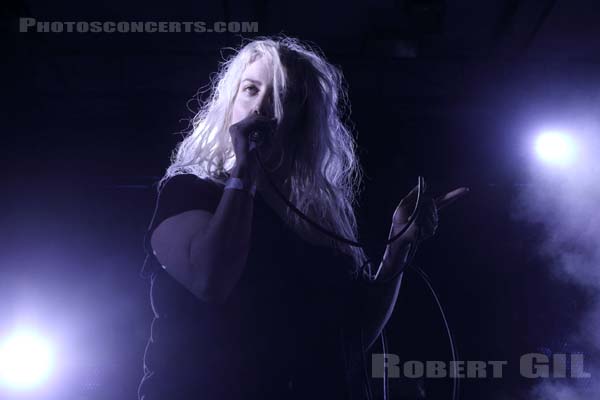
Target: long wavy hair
x=326 y=176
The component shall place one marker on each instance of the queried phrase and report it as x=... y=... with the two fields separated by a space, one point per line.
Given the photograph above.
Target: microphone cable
x=255 y=139
x=336 y=236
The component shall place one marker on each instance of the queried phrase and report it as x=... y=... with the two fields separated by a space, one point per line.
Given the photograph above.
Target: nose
x=263 y=106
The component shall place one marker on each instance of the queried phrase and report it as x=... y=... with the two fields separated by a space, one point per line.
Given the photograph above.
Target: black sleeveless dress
x=282 y=334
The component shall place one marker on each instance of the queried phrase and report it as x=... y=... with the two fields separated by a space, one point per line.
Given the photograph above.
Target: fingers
x=450 y=197
x=426 y=222
x=412 y=195
x=260 y=121
x=257 y=121
x=430 y=207
x=428 y=217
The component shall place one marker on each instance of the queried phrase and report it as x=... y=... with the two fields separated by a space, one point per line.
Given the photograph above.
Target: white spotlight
x=555 y=147
x=25 y=361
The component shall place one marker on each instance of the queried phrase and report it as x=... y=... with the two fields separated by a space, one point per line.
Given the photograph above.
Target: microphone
x=258 y=137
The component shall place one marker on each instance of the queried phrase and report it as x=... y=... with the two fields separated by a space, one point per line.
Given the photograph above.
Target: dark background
x=446 y=89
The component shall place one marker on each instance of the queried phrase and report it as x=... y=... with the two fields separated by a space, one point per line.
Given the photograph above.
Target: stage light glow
x=26 y=361
x=555 y=148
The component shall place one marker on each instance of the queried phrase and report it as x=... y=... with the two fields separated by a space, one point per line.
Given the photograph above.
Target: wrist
x=409 y=235
x=395 y=260
x=242 y=171
x=387 y=271
x=245 y=185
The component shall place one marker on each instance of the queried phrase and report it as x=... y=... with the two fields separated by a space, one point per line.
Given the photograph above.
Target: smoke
x=557 y=390
x=565 y=201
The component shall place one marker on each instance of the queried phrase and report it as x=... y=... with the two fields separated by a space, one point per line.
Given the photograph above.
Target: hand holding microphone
x=253 y=131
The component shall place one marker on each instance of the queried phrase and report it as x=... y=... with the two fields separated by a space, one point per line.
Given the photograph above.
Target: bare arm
x=382 y=298
x=383 y=293
x=219 y=251
x=207 y=252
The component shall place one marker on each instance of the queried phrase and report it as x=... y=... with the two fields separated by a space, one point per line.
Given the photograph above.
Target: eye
x=251 y=89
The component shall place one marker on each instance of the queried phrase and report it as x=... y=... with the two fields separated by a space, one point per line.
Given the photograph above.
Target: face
x=254 y=92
